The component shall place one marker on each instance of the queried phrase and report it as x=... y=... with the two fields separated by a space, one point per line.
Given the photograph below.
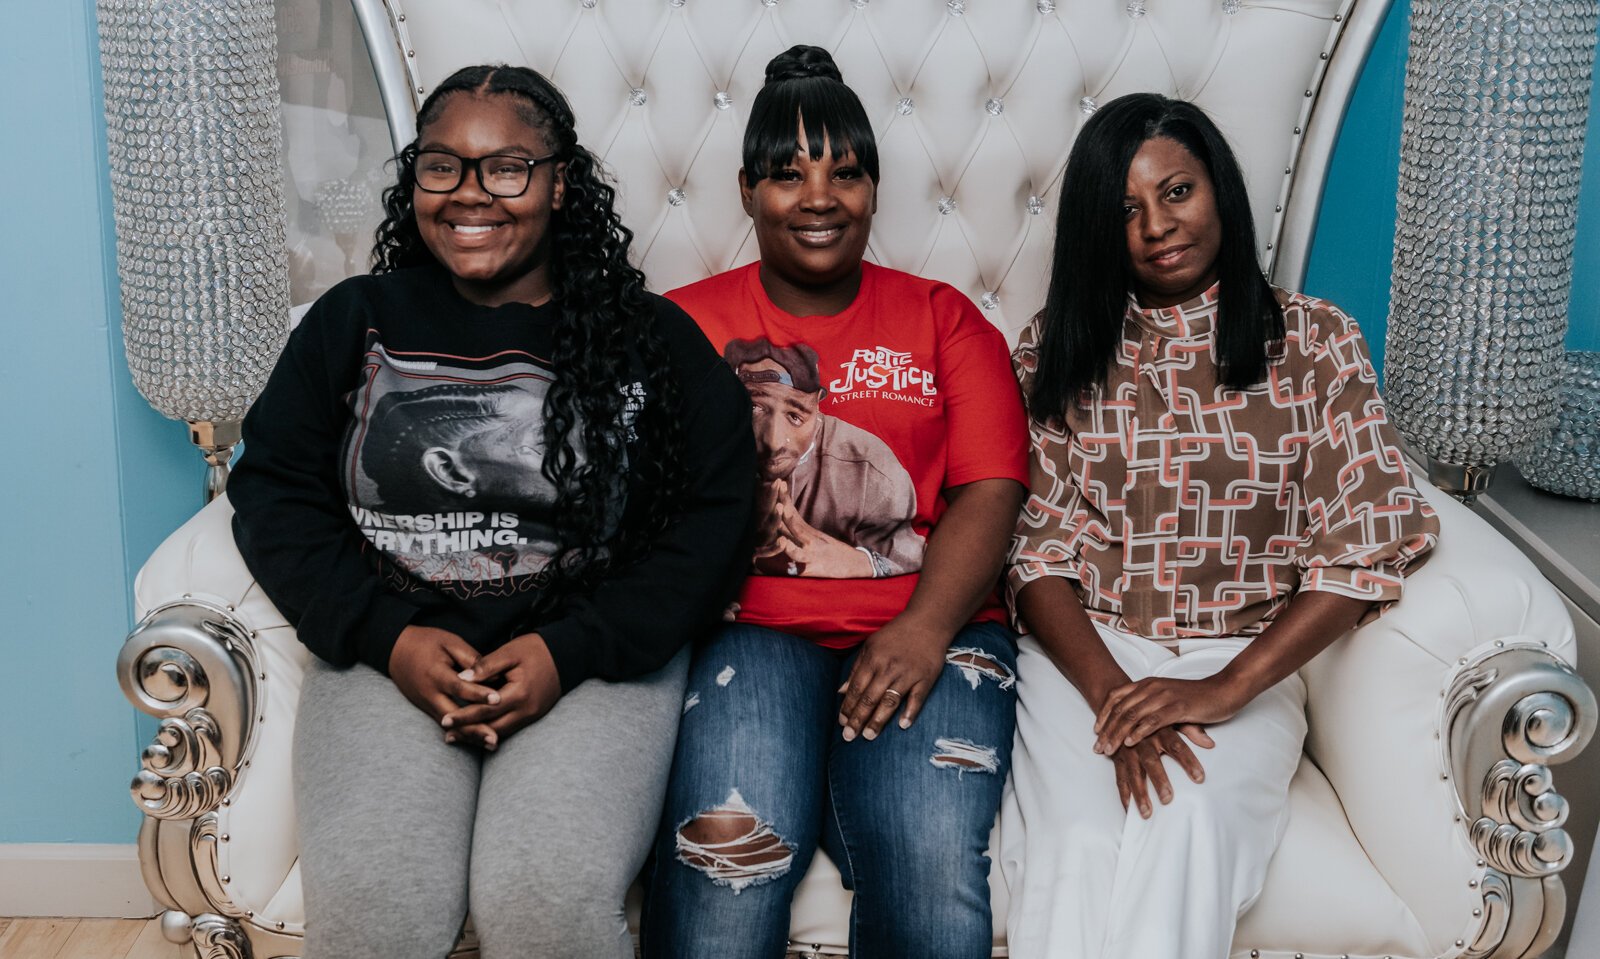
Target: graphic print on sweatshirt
x=834 y=501
x=442 y=468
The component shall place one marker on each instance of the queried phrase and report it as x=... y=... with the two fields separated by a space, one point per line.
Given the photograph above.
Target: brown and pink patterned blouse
x=1180 y=509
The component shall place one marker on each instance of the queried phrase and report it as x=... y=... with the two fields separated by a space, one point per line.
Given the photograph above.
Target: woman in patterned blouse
x=1216 y=497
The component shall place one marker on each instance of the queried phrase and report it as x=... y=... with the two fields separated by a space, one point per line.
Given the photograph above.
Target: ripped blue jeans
x=906 y=817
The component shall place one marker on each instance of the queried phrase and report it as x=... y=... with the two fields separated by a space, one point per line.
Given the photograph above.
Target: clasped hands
x=788 y=545
x=1139 y=722
x=477 y=699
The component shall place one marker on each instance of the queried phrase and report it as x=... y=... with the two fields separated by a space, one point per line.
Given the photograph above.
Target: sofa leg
x=218 y=937
x=1521 y=916
x=211 y=935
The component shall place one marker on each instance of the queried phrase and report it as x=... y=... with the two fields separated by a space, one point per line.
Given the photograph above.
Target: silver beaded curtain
x=1496 y=101
x=193 y=132
x=1568 y=462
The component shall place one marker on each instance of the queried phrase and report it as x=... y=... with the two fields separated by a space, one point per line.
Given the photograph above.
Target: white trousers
x=1089 y=880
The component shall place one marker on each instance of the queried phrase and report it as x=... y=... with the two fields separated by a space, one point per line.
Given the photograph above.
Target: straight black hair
x=1091 y=274
x=803 y=85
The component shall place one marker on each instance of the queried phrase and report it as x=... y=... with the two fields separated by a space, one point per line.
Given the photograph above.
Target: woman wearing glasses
x=496 y=487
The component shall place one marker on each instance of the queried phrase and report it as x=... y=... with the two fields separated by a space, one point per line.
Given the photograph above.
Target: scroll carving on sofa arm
x=1409 y=716
x=1511 y=713
x=192 y=665
x=199 y=667
x=220 y=669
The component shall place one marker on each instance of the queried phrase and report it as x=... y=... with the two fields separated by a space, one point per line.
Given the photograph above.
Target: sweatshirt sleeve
x=638 y=618
x=291 y=522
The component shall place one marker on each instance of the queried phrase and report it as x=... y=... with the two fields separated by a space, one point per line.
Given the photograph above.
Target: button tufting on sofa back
x=975 y=104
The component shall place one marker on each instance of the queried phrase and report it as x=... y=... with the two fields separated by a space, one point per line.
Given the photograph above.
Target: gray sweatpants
x=399 y=832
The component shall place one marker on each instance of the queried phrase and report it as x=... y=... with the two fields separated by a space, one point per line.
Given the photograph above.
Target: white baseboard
x=73 y=879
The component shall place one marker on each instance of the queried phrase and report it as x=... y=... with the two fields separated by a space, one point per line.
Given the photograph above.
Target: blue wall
x=1354 y=243
x=1353 y=247
x=93 y=479
x=1584 y=315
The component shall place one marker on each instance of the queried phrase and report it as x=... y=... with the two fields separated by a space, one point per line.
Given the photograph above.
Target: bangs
x=829 y=110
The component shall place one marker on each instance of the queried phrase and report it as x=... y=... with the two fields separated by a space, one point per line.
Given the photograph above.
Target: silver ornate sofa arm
x=1453 y=801
x=195 y=662
x=218 y=665
x=193 y=666
x=169 y=667
x=1511 y=713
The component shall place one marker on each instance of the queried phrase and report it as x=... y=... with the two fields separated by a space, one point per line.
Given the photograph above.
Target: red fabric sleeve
x=987 y=431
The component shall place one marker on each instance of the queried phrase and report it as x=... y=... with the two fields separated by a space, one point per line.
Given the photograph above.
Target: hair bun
x=800 y=62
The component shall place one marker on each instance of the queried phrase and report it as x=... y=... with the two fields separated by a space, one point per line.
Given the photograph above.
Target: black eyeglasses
x=439 y=171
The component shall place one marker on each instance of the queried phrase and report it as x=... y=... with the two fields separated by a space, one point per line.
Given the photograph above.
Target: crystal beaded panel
x=1490 y=154
x=195 y=150
x=344 y=207
x=1568 y=461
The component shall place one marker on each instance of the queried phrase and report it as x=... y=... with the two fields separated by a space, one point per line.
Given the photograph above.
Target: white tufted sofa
x=1423 y=818
x=976 y=104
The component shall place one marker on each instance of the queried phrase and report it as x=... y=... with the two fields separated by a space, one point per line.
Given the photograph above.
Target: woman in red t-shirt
x=891 y=449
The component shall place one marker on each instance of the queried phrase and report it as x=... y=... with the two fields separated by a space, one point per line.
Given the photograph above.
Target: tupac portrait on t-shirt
x=834 y=500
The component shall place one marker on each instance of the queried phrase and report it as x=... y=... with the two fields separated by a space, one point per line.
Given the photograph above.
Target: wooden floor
x=84 y=939
x=122 y=939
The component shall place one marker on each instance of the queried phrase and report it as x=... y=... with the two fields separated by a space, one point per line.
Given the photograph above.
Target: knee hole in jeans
x=733 y=846
x=965 y=756
x=977 y=665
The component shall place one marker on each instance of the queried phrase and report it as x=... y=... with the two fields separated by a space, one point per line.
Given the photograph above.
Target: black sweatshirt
x=391 y=478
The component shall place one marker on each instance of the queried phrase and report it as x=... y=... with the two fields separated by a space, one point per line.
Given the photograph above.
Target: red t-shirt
x=861 y=420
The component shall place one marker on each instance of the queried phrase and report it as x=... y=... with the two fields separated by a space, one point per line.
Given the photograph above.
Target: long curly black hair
x=605 y=341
